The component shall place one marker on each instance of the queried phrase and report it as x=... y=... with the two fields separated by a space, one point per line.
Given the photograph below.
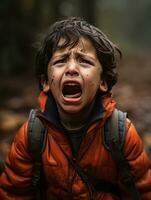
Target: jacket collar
x=102 y=108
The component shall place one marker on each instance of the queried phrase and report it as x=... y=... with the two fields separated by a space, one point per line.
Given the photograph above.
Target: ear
x=46 y=87
x=103 y=86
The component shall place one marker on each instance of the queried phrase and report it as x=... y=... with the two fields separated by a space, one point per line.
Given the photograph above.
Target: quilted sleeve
x=15 y=181
x=139 y=162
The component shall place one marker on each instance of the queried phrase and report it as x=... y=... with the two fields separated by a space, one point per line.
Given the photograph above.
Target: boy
x=76 y=66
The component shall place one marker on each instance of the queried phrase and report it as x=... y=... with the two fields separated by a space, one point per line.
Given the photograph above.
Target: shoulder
x=21 y=136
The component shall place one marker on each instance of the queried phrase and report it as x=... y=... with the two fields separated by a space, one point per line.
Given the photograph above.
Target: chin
x=72 y=110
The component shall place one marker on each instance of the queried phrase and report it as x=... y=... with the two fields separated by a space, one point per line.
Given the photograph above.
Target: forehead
x=84 y=45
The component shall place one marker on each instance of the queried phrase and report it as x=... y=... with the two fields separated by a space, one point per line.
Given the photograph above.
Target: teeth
x=71 y=84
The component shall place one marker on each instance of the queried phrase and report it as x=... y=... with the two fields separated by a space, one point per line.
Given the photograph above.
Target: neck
x=75 y=121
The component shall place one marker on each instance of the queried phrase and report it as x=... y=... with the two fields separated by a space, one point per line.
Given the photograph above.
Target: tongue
x=73 y=95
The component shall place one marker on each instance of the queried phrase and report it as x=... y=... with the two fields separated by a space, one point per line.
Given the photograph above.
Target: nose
x=72 y=69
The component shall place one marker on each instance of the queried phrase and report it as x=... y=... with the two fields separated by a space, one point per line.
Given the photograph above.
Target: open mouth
x=72 y=90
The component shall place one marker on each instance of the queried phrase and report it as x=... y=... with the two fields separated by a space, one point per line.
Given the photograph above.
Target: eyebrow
x=85 y=55
x=61 y=55
x=64 y=55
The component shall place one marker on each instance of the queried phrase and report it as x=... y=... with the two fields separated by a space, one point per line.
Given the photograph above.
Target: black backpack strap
x=114 y=135
x=93 y=183
x=118 y=120
x=36 y=142
x=82 y=175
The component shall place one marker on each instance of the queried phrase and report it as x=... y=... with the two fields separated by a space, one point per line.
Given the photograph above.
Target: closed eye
x=85 y=61
x=59 y=61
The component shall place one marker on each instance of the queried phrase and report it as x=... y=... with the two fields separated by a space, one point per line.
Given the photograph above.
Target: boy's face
x=74 y=77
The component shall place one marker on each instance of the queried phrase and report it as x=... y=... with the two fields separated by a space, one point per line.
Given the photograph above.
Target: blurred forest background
x=126 y=22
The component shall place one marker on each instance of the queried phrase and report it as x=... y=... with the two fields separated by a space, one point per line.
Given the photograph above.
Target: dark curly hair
x=72 y=29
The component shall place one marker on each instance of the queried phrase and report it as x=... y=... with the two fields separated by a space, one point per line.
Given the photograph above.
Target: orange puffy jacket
x=62 y=182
